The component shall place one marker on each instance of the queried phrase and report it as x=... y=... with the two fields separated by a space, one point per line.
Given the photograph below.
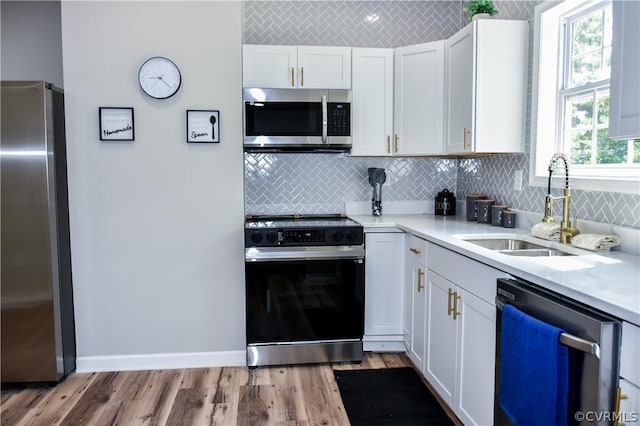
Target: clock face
x=159 y=78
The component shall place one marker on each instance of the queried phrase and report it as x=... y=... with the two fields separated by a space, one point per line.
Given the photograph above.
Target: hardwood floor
x=300 y=395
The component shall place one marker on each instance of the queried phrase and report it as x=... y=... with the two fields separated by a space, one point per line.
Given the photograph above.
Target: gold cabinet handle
x=420 y=275
x=301 y=76
x=456 y=297
x=397 y=143
x=293 y=73
x=619 y=397
x=449 y=304
x=414 y=250
x=388 y=144
x=467 y=132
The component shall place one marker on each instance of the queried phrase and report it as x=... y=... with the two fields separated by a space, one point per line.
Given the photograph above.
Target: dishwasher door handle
x=567 y=339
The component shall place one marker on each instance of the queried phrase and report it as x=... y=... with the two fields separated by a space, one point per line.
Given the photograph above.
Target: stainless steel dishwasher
x=593 y=338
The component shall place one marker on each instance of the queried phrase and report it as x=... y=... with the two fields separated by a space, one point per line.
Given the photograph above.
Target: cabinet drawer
x=475 y=277
x=630 y=353
x=416 y=249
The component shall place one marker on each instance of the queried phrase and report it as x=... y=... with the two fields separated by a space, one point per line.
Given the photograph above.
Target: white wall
x=156 y=224
x=31 y=42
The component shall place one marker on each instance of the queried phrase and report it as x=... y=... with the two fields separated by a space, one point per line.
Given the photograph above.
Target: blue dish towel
x=534 y=370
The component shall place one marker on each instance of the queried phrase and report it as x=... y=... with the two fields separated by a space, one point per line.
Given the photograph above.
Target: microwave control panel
x=339 y=121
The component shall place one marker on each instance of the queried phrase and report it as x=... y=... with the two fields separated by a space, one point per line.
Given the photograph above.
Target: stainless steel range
x=304 y=289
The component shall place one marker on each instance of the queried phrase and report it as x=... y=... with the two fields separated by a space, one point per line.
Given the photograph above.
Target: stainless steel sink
x=517 y=247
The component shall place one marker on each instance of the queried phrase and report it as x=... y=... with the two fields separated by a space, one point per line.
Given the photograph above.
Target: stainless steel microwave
x=297 y=119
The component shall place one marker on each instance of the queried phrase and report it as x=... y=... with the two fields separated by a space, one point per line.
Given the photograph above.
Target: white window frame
x=546 y=106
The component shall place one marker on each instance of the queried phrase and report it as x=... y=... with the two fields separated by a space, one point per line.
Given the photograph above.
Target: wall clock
x=159 y=77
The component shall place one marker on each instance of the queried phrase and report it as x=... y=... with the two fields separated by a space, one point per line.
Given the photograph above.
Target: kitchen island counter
x=608 y=281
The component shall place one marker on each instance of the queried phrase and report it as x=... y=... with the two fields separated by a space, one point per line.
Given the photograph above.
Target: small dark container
x=496 y=214
x=508 y=219
x=484 y=210
x=472 y=205
x=445 y=203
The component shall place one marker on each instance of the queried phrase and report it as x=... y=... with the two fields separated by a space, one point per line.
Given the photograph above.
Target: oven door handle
x=567 y=339
x=303 y=253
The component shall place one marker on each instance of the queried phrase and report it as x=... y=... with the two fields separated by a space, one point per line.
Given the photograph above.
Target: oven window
x=283 y=118
x=291 y=301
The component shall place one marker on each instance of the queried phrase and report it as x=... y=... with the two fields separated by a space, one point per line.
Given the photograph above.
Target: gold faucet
x=566 y=230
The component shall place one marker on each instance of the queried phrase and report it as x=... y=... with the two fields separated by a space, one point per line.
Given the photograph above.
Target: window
x=572 y=66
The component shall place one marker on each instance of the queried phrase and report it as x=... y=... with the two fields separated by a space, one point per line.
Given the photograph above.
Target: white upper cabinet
x=624 y=114
x=398 y=100
x=486 y=83
x=321 y=67
x=372 y=107
x=419 y=99
x=286 y=67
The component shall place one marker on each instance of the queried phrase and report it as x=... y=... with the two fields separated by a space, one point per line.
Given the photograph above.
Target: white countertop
x=608 y=281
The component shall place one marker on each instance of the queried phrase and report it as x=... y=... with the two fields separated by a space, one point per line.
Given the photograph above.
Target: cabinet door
x=500 y=85
x=476 y=322
x=460 y=90
x=384 y=273
x=629 y=403
x=418 y=290
x=407 y=321
x=624 y=118
x=324 y=67
x=419 y=99
x=269 y=66
x=441 y=354
x=372 y=107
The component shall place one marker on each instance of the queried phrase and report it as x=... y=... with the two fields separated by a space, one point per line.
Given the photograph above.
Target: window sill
x=621 y=185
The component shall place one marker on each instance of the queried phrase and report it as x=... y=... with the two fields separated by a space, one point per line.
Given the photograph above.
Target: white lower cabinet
x=440 y=368
x=461 y=350
x=461 y=327
x=415 y=299
x=384 y=275
x=629 y=411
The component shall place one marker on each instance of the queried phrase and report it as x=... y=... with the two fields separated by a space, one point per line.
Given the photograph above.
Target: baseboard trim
x=92 y=364
x=383 y=346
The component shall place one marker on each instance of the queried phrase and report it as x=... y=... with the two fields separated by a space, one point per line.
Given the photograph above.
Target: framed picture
x=116 y=124
x=203 y=126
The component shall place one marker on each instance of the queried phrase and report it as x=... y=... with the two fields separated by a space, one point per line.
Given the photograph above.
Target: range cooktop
x=302 y=230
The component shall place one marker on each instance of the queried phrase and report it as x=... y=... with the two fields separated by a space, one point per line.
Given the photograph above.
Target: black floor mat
x=393 y=396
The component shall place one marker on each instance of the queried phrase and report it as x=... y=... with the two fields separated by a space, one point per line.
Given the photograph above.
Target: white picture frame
x=203 y=126
x=116 y=124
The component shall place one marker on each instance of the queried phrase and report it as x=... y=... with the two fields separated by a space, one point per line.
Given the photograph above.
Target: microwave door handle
x=324 y=119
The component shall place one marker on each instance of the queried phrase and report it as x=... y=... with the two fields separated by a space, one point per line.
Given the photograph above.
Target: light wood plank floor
x=300 y=395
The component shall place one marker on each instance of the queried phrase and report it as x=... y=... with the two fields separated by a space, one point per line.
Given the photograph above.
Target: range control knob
x=338 y=236
x=272 y=237
x=256 y=237
x=351 y=236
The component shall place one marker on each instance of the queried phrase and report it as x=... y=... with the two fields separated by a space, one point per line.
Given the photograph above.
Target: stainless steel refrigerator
x=37 y=323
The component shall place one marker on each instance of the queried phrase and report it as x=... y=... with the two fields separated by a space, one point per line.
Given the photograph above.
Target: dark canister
x=484 y=210
x=445 y=203
x=496 y=214
x=509 y=219
x=472 y=205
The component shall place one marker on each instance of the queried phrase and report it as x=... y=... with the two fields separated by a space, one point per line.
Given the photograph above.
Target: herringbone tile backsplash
x=313 y=183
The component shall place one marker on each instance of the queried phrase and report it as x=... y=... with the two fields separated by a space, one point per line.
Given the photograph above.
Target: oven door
x=304 y=295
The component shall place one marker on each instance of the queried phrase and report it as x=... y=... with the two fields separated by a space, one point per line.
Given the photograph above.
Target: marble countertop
x=607 y=281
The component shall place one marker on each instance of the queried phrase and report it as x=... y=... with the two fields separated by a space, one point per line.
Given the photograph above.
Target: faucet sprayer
x=566 y=230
